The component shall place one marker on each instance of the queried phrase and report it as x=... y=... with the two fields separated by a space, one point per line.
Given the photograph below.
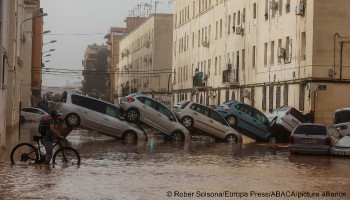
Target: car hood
x=271 y=116
x=343 y=142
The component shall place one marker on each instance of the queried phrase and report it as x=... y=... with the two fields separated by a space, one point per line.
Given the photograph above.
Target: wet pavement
x=113 y=169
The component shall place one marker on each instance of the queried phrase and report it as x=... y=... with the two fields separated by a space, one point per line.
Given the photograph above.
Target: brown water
x=112 y=169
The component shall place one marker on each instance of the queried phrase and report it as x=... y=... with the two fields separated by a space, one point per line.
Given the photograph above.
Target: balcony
x=229 y=78
x=199 y=81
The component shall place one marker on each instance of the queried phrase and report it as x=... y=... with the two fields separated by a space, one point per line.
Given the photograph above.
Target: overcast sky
x=78 y=23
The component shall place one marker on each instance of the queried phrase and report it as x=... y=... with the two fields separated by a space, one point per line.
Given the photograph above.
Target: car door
x=164 y=118
x=93 y=113
x=246 y=121
x=218 y=124
x=148 y=110
x=201 y=117
x=111 y=122
x=261 y=123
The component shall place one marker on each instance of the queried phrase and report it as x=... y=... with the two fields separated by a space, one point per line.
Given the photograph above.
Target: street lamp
x=47 y=55
x=48 y=51
x=46 y=32
x=38 y=16
x=52 y=41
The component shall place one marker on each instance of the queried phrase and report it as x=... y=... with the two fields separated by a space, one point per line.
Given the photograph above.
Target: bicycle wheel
x=24 y=153
x=66 y=156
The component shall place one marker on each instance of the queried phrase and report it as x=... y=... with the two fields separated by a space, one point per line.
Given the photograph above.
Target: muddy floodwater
x=201 y=169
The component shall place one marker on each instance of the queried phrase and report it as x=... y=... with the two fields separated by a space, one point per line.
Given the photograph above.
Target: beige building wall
x=245 y=65
x=145 y=57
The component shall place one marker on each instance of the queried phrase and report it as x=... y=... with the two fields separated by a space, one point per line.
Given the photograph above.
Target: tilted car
x=138 y=107
x=98 y=115
x=32 y=114
x=285 y=119
x=342 y=146
x=249 y=120
x=310 y=138
x=342 y=119
x=205 y=119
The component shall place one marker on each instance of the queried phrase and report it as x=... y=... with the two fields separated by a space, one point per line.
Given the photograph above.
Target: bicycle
x=29 y=154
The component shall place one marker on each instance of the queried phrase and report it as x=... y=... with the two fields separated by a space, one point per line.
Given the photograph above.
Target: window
x=233 y=22
x=219 y=64
x=243 y=59
x=237 y=66
x=239 y=18
x=254 y=14
x=266 y=9
x=295 y=113
x=342 y=117
x=227 y=95
x=260 y=116
x=217 y=117
x=285 y=95
x=271 y=97
x=246 y=109
x=229 y=24
x=253 y=57
x=216 y=65
x=265 y=54
x=310 y=130
x=216 y=30
x=252 y=97
x=278 y=96
x=194 y=8
x=301 y=97
x=220 y=28
x=288 y=6
x=192 y=40
x=164 y=110
x=303 y=46
x=287 y=47
x=201 y=109
x=112 y=111
x=279 y=60
x=280 y=6
x=199 y=37
x=263 y=106
x=272 y=59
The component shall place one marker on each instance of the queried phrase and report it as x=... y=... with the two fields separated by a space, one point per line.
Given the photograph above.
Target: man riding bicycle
x=47 y=139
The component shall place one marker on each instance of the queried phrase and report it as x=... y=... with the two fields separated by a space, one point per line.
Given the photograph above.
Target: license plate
x=308 y=140
x=339 y=152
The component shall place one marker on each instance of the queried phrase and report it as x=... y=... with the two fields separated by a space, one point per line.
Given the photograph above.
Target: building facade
x=267 y=53
x=145 y=58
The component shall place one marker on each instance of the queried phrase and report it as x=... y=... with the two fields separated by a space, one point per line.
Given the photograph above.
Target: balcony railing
x=198 y=79
x=228 y=76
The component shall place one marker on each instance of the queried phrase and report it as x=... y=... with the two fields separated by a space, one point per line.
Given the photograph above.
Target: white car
x=342 y=120
x=342 y=146
x=286 y=118
x=32 y=114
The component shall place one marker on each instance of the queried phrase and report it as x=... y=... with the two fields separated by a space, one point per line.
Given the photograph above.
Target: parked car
x=285 y=119
x=205 y=119
x=342 y=119
x=249 y=120
x=98 y=115
x=310 y=138
x=138 y=107
x=342 y=146
x=31 y=114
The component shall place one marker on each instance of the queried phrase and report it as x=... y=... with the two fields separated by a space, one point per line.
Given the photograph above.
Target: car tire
x=132 y=115
x=129 y=136
x=187 y=122
x=72 y=120
x=22 y=120
x=177 y=136
x=231 y=138
x=273 y=122
x=231 y=120
x=273 y=139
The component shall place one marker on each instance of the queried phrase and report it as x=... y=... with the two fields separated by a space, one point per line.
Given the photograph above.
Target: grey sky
x=93 y=17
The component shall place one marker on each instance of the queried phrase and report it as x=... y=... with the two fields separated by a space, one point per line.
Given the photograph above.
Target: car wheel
x=231 y=120
x=273 y=139
x=129 y=136
x=231 y=139
x=177 y=136
x=187 y=122
x=72 y=119
x=273 y=122
x=132 y=115
x=22 y=120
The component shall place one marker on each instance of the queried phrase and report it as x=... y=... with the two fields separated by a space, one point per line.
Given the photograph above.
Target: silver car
x=313 y=139
x=95 y=114
x=138 y=107
x=286 y=119
x=203 y=118
x=32 y=114
x=342 y=120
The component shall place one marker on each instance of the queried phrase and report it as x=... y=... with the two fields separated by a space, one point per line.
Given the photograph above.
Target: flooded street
x=113 y=169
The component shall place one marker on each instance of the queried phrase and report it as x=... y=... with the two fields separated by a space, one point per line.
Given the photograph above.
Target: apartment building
x=267 y=53
x=115 y=34
x=145 y=57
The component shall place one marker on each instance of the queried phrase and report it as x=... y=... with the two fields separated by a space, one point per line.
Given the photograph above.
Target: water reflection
x=114 y=169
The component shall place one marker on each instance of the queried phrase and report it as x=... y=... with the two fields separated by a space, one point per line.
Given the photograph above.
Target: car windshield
x=342 y=117
x=310 y=130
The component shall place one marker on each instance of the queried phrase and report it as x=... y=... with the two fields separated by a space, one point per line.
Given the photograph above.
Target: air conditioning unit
x=205 y=44
x=299 y=9
x=273 y=4
x=145 y=59
x=239 y=30
x=281 y=52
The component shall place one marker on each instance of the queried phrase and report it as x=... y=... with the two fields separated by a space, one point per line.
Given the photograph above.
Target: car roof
x=343 y=109
x=92 y=98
